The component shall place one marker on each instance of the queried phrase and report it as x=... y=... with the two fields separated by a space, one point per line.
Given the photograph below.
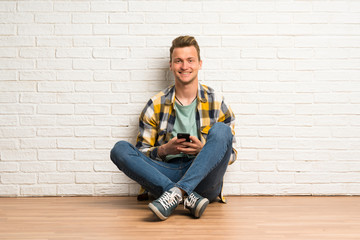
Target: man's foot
x=196 y=204
x=165 y=204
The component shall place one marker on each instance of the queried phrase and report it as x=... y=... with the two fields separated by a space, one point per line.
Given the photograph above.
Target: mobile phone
x=184 y=135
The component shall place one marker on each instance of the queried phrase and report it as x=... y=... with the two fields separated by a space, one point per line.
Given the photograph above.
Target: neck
x=186 y=93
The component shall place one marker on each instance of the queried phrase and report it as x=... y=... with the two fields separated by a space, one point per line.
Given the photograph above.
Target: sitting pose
x=169 y=164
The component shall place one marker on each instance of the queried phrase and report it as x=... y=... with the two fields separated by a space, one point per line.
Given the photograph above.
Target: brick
x=73 y=98
x=92 y=87
x=112 y=190
x=126 y=18
x=92 y=155
x=7 y=75
x=73 y=29
x=37 y=121
x=93 y=41
x=111 y=98
x=7 y=29
x=93 y=64
x=110 y=53
x=37 y=53
x=38 y=29
x=38 y=6
x=57 y=155
x=8 y=121
x=38 y=167
x=9 y=190
x=92 y=131
x=111 y=121
x=8 y=98
x=163 y=18
x=71 y=120
x=92 y=109
x=258 y=143
x=17 y=64
x=73 y=53
x=125 y=41
x=71 y=6
x=37 y=75
x=57 y=178
x=89 y=18
x=56 y=86
x=7 y=6
x=110 y=29
x=73 y=75
x=17 y=41
x=16 y=109
x=37 y=98
x=236 y=18
x=55 y=132
x=38 y=190
x=16 y=132
x=111 y=6
x=144 y=6
x=18 y=178
x=75 y=190
x=56 y=41
x=74 y=166
x=57 y=64
x=76 y=143
x=37 y=143
x=93 y=178
x=9 y=167
x=52 y=18
x=16 y=18
x=113 y=75
x=281 y=178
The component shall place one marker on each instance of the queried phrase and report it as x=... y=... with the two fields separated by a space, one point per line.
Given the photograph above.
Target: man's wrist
x=161 y=152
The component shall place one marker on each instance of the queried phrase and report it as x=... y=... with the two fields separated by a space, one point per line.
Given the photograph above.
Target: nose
x=184 y=65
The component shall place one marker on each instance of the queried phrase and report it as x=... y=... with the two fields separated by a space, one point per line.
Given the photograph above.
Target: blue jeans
x=204 y=174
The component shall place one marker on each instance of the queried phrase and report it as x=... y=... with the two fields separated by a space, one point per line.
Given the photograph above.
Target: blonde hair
x=184 y=41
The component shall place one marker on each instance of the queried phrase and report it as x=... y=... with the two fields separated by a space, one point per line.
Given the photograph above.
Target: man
x=172 y=168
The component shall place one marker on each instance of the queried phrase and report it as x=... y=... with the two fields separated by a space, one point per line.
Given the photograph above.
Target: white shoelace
x=168 y=200
x=190 y=201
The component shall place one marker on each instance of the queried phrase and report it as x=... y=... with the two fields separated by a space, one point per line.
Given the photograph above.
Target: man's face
x=185 y=64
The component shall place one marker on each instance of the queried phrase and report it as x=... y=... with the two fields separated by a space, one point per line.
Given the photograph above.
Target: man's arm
x=148 y=132
x=228 y=117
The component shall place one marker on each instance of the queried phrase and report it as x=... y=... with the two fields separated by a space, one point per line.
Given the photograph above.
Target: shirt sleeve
x=228 y=117
x=147 y=135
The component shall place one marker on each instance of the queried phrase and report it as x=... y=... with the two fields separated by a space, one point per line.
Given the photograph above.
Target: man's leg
x=156 y=177
x=208 y=168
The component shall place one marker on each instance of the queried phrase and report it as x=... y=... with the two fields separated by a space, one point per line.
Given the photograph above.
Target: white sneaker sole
x=201 y=207
x=156 y=211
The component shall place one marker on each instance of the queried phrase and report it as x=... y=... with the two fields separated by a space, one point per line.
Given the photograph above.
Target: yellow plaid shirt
x=158 y=117
x=157 y=120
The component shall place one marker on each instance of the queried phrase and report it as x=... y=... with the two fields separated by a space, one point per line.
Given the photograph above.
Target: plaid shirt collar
x=170 y=95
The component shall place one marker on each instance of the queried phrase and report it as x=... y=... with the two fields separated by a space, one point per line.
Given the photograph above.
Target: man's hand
x=176 y=146
x=191 y=148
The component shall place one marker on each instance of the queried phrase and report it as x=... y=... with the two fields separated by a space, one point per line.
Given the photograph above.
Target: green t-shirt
x=185 y=122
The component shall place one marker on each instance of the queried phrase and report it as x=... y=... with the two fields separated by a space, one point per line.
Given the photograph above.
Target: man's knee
x=221 y=131
x=120 y=148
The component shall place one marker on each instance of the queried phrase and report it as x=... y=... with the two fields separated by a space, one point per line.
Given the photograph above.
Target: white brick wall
x=74 y=76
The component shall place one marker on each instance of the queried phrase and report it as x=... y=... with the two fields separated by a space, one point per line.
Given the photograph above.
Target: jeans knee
x=222 y=132
x=118 y=149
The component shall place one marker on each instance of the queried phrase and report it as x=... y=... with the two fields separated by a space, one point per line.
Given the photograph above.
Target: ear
x=200 y=63
x=170 y=65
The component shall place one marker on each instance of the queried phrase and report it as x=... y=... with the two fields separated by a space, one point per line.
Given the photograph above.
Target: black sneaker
x=196 y=204
x=165 y=204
